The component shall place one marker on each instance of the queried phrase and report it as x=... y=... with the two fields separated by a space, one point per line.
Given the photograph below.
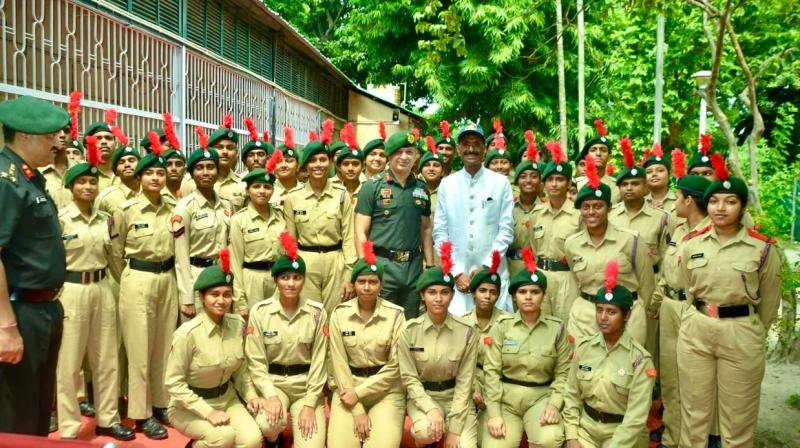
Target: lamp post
x=701 y=79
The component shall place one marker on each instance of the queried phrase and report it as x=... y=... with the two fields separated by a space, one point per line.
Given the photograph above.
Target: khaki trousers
x=292 y=405
x=148 y=313
x=324 y=277
x=594 y=434
x=670 y=317
x=258 y=285
x=386 y=414
x=241 y=432
x=582 y=322
x=90 y=331
x=419 y=420
x=522 y=407
x=720 y=365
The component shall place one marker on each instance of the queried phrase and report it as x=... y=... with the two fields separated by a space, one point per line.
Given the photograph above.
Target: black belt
x=365 y=371
x=602 y=417
x=84 y=278
x=551 y=264
x=34 y=295
x=294 y=369
x=258 y=265
x=157 y=267
x=398 y=256
x=508 y=380
x=201 y=262
x=513 y=254
x=675 y=293
x=210 y=393
x=321 y=249
x=656 y=268
x=590 y=297
x=479 y=365
x=438 y=386
x=725 y=312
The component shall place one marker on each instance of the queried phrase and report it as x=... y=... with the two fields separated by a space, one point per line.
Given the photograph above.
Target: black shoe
x=151 y=428
x=278 y=443
x=122 y=405
x=161 y=415
x=53 y=422
x=117 y=431
x=714 y=441
x=87 y=409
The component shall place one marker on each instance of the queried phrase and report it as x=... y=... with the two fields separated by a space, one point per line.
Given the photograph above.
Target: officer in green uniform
x=33 y=263
x=397 y=200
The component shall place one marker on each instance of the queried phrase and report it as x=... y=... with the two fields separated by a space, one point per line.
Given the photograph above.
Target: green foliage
x=793 y=401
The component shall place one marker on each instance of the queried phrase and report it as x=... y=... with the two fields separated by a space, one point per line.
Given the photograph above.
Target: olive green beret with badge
x=199 y=155
x=656 y=158
x=87 y=168
x=528 y=276
x=703 y=155
x=487 y=275
x=612 y=293
x=632 y=170
x=600 y=139
x=594 y=189
x=30 y=115
x=172 y=154
x=153 y=159
x=121 y=152
x=225 y=132
x=558 y=163
x=401 y=139
x=290 y=261
x=439 y=275
x=446 y=138
x=348 y=153
x=216 y=275
x=145 y=141
x=256 y=141
x=725 y=183
x=368 y=265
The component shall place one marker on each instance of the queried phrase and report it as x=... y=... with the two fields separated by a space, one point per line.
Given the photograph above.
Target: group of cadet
x=230 y=305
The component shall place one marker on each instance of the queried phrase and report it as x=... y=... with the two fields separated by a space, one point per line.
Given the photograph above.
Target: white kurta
x=475 y=214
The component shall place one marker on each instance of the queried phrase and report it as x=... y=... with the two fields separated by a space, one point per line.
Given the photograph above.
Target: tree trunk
x=581 y=78
x=562 y=89
x=659 y=83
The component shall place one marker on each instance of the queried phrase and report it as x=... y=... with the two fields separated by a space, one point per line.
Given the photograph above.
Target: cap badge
x=446 y=277
x=373 y=267
x=258 y=144
x=411 y=138
x=227 y=278
x=93 y=170
x=230 y=134
x=633 y=172
x=354 y=152
x=494 y=277
x=705 y=159
x=534 y=278
x=609 y=296
x=598 y=193
x=295 y=265
x=559 y=168
x=206 y=154
x=727 y=185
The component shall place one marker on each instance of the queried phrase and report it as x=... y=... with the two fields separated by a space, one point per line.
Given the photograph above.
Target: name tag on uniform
x=673 y=243
x=253 y=230
x=416 y=349
x=299 y=212
x=386 y=193
x=696 y=256
x=420 y=193
x=201 y=215
x=270 y=334
x=69 y=237
x=387 y=201
x=141 y=226
x=510 y=342
x=537 y=228
x=348 y=333
x=41 y=199
x=585 y=368
x=577 y=259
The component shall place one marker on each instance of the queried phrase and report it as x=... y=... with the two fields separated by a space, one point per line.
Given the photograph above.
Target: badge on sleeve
x=585 y=368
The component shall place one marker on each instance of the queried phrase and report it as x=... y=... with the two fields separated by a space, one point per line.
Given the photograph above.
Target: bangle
x=8 y=326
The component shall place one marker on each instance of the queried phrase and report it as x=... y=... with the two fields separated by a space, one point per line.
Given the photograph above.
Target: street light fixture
x=701 y=79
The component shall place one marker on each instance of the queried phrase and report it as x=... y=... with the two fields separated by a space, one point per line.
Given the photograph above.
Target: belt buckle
x=547 y=264
x=402 y=255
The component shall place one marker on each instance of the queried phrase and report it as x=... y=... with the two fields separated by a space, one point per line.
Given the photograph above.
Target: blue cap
x=470 y=128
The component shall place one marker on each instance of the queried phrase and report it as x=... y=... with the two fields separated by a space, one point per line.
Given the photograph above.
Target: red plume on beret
x=612 y=274
x=122 y=139
x=111 y=117
x=74 y=108
x=678 y=163
x=532 y=151
x=499 y=139
x=627 y=152
x=591 y=172
x=155 y=143
x=265 y=136
x=657 y=151
x=225 y=260
x=312 y=136
x=327 y=132
x=645 y=156
x=495 y=262
x=415 y=131
x=343 y=133
x=529 y=259
x=351 y=140
x=288 y=138
x=446 y=257
x=431 y=144
x=251 y=129
x=718 y=163
x=169 y=132
x=93 y=155
x=445 y=127
x=600 y=127
x=227 y=121
x=369 y=253
x=273 y=161
x=705 y=143
x=497 y=125
x=382 y=130
x=202 y=137
x=556 y=154
x=610 y=168
x=289 y=245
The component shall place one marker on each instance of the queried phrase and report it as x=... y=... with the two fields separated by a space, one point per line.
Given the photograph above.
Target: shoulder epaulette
x=63 y=211
x=627 y=230
x=103 y=214
x=637 y=361
x=698 y=232
x=296 y=187
x=262 y=303
x=504 y=316
x=314 y=303
x=412 y=322
x=752 y=232
x=391 y=305
x=10 y=173
x=107 y=192
x=128 y=203
x=187 y=327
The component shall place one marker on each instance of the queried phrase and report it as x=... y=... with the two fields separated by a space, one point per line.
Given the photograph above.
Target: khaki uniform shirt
x=667 y=204
x=54 y=182
x=231 y=188
x=523 y=226
x=252 y=239
x=608 y=180
x=538 y=355
x=279 y=193
x=552 y=228
x=617 y=381
x=323 y=220
x=472 y=318
x=275 y=338
x=670 y=267
x=358 y=343
x=174 y=197
x=743 y=270
x=111 y=199
x=650 y=223
x=87 y=241
x=143 y=231
x=206 y=355
x=201 y=230
x=106 y=180
x=587 y=261
x=430 y=353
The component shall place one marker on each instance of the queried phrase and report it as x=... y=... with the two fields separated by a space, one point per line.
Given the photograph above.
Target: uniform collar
x=144 y=203
x=130 y=193
x=624 y=341
x=253 y=213
x=380 y=312
x=611 y=235
x=24 y=169
x=74 y=213
x=473 y=315
x=646 y=209
x=309 y=192
x=231 y=177
x=388 y=176
x=741 y=237
x=203 y=202
x=209 y=326
x=274 y=307
x=521 y=322
x=427 y=323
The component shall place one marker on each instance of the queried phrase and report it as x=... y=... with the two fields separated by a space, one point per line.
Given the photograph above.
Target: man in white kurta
x=474 y=211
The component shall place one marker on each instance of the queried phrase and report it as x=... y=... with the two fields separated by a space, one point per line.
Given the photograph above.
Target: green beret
x=519 y=153
x=213 y=276
x=286 y=264
x=336 y=146
x=619 y=296
x=693 y=185
x=525 y=278
x=78 y=170
x=259 y=175
x=587 y=192
x=315 y=147
x=361 y=267
x=428 y=156
x=498 y=154
x=526 y=165
x=484 y=276
x=628 y=173
x=490 y=138
x=199 y=155
x=258 y=144
x=348 y=153
x=145 y=141
x=94 y=128
x=563 y=168
x=30 y=115
x=734 y=185
x=149 y=161
x=401 y=139
x=122 y=152
x=173 y=154
x=656 y=160
x=595 y=141
x=446 y=141
x=699 y=159
x=289 y=152
x=75 y=144
x=373 y=144
x=434 y=276
x=223 y=134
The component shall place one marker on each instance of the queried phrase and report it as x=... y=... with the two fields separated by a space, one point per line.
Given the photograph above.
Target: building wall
x=366 y=114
